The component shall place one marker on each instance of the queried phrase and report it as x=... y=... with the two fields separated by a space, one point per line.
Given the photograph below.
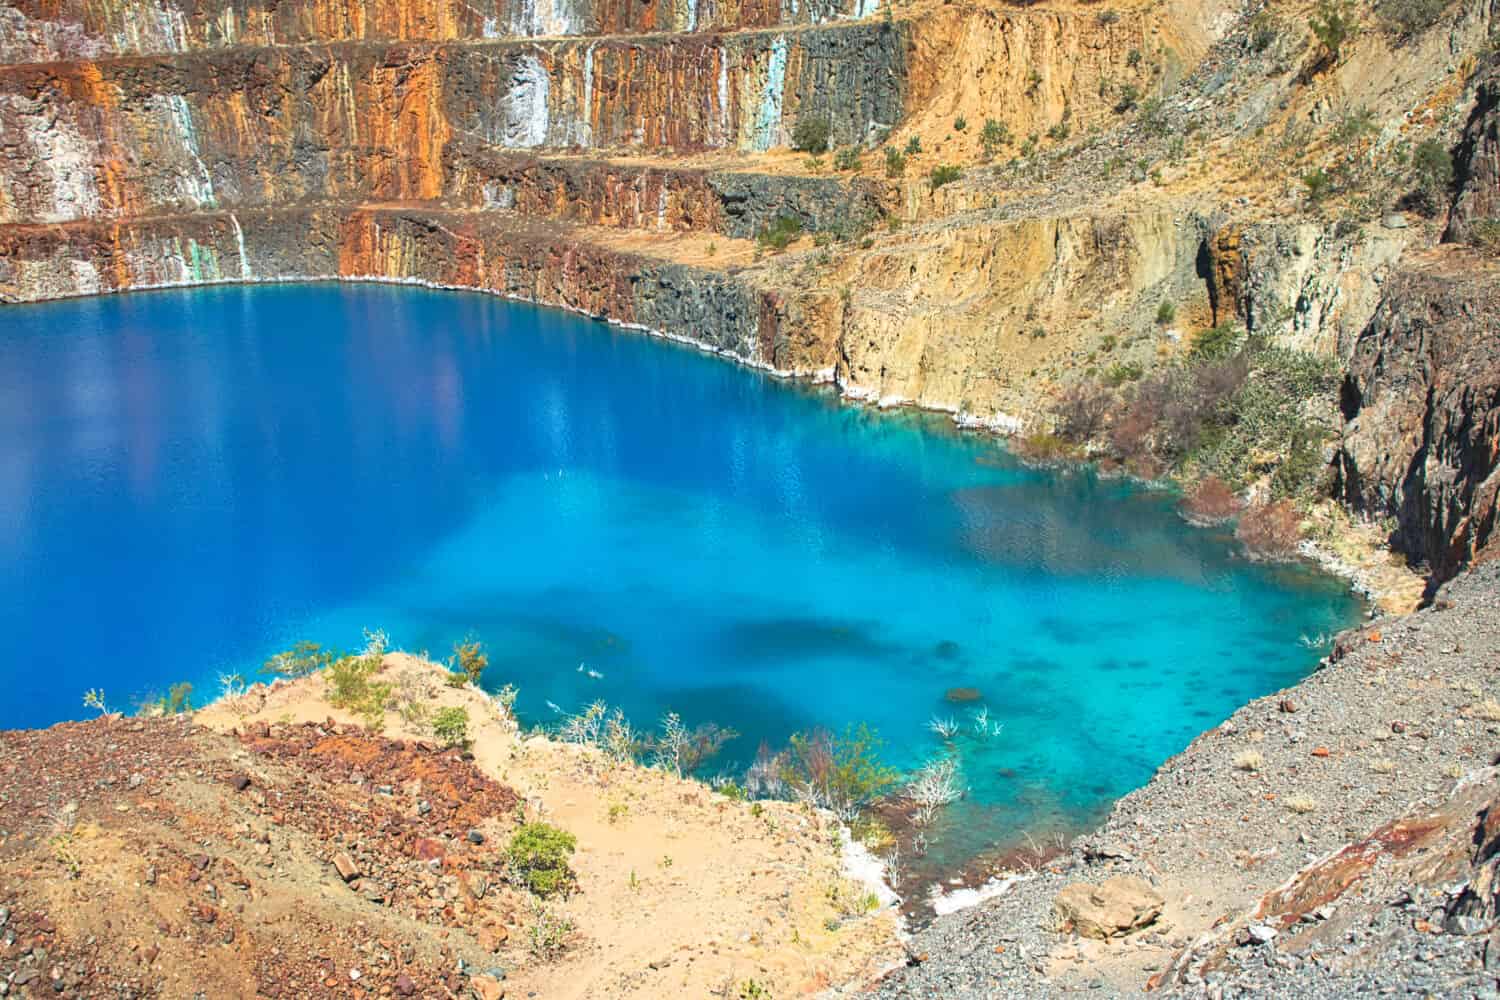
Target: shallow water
x=192 y=480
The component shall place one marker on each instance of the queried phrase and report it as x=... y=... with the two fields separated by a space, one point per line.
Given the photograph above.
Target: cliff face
x=1422 y=405
x=49 y=30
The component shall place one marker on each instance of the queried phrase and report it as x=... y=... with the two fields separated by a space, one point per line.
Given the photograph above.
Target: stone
x=347 y=869
x=1114 y=908
x=429 y=849
x=405 y=986
x=487 y=988
x=475 y=837
x=1260 y=933
x=240 y=782
x=492 y=937
x=1287 y=705
x=1394 y=221
x=962 y=695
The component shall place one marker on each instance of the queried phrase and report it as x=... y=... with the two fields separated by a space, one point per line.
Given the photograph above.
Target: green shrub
x=302 y=659
x=177 y=701
x=1165 y=313
x=943 y=174
x=1432 y=168
x=1130 y=96
x=1264 y=31
x=913 y=146
x=1319 y=185
x=994 y=136
x=1121 y=372
x=538 y=856
x=810 y=134
x=895 y=162
x=1215 y=342
x=960 y=123
x=780 y=233
x=350 y=685
x=846 y=158
x=451 y=725
x=841 y=773
x=1133 y=58
x=1334 y=25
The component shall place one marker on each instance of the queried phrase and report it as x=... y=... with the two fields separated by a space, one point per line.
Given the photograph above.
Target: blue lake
x=190 y=481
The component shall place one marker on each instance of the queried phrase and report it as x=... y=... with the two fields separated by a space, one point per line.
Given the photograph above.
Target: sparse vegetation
x=1407 y=18
x=1165 y=313
x=1484 y=235
x=537 y=859
x=847 y=159
x=960 y=123
x=1432 y=172
x=549 y=932
x=350 y=684
x=913 y=146
x=895 y=163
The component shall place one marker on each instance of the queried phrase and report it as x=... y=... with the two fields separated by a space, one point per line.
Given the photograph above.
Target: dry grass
x=1249 y=760
x=1383 y=766
x=1488 y=710
x=1301 y=804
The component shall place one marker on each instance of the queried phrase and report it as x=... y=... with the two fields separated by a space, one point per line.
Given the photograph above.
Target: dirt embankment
x=271 y=847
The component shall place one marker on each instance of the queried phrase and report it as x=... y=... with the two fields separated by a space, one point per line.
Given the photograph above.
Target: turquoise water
x=192 y=480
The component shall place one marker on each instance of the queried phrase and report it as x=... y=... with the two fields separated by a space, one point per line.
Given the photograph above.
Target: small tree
x=471 y=660
x=302 y=659
x=810 y=134
x=1165 y=313
x=538 y=856
x=895 y=163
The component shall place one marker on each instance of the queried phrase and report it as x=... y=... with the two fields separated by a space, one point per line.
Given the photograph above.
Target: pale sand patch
x=719 y=896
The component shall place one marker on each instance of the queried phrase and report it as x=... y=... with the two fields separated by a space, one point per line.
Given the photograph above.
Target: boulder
x=1114 y=908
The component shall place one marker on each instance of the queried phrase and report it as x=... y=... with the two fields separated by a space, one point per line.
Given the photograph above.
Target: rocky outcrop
x=1477 y=162
x=1421 y=402
x=1304 y=285
x=652 y=197
x=1114 y=908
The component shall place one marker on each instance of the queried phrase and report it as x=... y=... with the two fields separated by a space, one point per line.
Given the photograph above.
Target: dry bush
x=1211 y=502
x=1270 y=531
x=1383 y=766
x=1249 y=760
x=1301 y=804
x=1081 y=409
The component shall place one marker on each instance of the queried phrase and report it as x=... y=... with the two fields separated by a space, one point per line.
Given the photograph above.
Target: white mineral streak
x=525 y=104
x=195 y=185
x=767 y=126
x=545 y=19
x=239 y=241
x=962 y=899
